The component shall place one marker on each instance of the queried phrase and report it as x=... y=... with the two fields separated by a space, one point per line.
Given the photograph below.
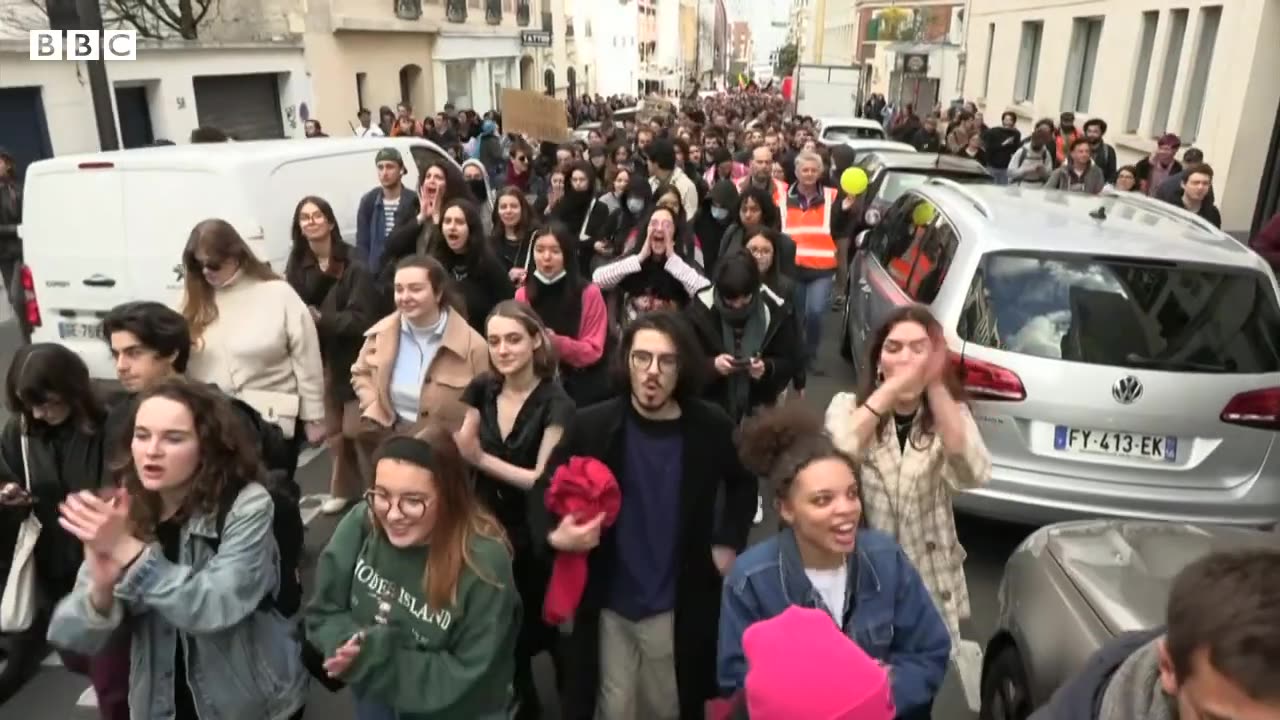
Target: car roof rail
x=978 y=202
x=1160 y=207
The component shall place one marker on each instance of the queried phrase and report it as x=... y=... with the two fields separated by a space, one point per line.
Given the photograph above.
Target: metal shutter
x=246 y=107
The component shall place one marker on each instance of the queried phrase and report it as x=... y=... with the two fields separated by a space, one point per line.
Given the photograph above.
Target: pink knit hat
x=801 y=666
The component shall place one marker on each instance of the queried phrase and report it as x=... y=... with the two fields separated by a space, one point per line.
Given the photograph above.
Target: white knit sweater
x=264 y=339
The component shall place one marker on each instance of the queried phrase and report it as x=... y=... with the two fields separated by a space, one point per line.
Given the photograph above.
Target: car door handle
x=99 y=281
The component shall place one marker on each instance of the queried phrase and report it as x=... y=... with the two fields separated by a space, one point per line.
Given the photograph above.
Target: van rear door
x=74 y=241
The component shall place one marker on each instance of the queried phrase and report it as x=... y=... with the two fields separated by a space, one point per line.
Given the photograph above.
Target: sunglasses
x=208 y=265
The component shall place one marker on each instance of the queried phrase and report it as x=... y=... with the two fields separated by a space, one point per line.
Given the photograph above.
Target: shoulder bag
x=18 y=604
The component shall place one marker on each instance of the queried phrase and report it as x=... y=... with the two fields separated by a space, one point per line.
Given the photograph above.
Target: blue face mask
x=719 y=213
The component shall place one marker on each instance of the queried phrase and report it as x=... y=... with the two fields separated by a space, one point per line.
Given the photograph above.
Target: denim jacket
x=892 y=618
x=242 y=662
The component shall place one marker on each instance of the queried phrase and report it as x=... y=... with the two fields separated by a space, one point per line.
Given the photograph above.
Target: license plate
x=1161 y=448
x=78 y=330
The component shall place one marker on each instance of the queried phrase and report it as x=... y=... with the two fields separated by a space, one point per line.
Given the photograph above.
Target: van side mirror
x=860 y=239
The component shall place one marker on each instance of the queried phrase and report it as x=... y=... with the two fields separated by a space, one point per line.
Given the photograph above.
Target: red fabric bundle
x=583 y=488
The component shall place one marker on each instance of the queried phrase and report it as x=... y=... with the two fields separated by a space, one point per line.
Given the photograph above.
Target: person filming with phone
x=751 y=335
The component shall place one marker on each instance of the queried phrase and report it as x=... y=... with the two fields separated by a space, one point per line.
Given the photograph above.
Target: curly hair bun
x=767 y=436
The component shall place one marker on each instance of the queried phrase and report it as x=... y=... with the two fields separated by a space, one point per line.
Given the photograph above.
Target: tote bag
x=18 y=604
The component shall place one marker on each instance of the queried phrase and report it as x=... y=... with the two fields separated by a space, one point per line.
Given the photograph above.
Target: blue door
x=23 y=130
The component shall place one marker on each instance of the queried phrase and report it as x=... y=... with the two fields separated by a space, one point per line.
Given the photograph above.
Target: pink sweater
x=586 y=349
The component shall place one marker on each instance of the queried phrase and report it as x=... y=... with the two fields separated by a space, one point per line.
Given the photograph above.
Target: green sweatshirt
x=453 y=663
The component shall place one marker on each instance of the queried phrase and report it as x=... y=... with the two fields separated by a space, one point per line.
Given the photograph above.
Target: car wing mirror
x=860 y=239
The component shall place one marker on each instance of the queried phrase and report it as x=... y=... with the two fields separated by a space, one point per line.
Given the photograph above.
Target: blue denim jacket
x=893 y=618
x=241 y=662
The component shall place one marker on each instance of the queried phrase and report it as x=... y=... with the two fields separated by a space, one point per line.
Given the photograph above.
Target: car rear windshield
x=841 y=133
x=897 y=182
x=1125 y=312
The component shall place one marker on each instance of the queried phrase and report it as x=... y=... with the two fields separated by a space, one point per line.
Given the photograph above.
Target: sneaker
x=759 y=518
x=334 y=505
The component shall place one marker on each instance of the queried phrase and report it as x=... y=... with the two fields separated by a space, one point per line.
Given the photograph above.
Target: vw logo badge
x=1127 y=390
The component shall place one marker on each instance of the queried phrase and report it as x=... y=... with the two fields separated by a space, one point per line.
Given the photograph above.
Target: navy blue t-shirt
x=644 y=576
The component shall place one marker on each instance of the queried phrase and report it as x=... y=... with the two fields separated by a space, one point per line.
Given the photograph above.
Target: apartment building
x=1205 y=70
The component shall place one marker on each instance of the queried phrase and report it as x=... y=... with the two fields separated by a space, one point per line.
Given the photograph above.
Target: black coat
x=782 y=351
x=348 y=305
x=710 y=460
x=64 y=459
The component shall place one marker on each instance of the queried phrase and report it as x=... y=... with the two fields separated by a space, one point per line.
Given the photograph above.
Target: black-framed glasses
x=410 y=506
x=643 y=360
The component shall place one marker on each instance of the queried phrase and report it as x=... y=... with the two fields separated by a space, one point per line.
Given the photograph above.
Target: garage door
x=246 y=107
x=23 y=131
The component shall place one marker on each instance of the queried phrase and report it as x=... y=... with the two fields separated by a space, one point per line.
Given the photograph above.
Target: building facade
x=912 y=52
x=616 y=41
x=740 y=49
x=1204 y=70
x=246 y=74
x=429 y=53
x=836 y=33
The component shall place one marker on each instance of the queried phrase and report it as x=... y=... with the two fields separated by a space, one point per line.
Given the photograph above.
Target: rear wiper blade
x=1170 y=364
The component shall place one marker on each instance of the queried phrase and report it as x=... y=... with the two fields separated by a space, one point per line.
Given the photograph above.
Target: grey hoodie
x=1025 y=160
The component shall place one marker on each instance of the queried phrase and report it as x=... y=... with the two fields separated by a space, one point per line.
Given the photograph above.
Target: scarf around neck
x=1134 y=692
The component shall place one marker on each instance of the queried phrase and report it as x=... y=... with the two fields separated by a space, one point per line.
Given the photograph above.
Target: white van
x=105 y=228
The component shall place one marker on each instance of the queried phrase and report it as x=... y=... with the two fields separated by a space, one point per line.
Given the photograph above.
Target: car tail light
x=1256 y=409
x=30 y=306
x=988 y=381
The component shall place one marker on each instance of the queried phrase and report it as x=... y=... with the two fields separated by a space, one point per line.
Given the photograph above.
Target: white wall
x=617 y=69
x=668 y=50
x=486 y=55
x=1240 y=99
x=168 y=71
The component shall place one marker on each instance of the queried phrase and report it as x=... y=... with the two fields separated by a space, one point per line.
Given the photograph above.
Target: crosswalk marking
x=968 y=663
x=310 y=507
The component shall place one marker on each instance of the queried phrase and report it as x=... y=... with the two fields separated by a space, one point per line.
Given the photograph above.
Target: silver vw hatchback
x=1122 y=356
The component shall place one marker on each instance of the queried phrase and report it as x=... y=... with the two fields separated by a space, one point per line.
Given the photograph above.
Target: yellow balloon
x=923 y=214
x=853 y=181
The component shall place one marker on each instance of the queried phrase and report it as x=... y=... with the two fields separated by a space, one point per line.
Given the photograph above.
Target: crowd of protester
x=558 y=396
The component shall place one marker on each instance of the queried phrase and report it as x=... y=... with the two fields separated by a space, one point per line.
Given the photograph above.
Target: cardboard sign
x=539 y=116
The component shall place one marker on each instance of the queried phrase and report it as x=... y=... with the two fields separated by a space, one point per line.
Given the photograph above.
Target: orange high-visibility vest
x=811 y=231
x=779 y=189
x=900 y=268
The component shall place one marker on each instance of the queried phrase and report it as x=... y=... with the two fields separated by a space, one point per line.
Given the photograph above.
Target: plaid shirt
x=907 y=493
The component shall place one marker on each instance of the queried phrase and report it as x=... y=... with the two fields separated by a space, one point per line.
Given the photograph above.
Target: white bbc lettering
x=76 y=45
x=82 y=45
x=46 y=45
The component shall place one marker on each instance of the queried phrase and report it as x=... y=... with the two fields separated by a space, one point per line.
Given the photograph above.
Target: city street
x=55 y=693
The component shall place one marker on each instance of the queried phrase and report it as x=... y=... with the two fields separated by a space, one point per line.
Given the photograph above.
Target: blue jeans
x=817 y=303
x=1001 y=175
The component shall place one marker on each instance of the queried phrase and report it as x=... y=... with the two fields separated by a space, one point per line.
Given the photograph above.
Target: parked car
x=862 y=146
x=583 y=131
x=1122 y=355
x=135 y=209
x=891 y=171
x=1069 y=588
x=836 y=130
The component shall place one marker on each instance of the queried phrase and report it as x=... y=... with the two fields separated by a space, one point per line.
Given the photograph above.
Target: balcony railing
x=493 y=12
x=455 y=11
x=522 y=13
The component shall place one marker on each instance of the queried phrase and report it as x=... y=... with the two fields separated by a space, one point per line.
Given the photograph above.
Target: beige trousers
x=637 y=668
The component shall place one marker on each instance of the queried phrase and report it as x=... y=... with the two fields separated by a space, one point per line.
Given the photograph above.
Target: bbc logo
x=84 y=45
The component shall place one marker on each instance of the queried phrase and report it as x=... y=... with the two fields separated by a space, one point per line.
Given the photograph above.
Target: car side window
x=936 y=250
x=907 y=225
x=881 y=237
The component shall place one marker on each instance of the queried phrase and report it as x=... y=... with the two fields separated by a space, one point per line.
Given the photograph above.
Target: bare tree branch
x=152 y=19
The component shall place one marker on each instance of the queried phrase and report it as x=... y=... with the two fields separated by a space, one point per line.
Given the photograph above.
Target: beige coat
x=463 y=355
x=908 y=495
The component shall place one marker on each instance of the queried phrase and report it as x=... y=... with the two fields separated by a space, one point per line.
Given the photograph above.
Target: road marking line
x=52 y=660
x=88 y=698
x=308 y=455
x=968 y=663
x=310 y=505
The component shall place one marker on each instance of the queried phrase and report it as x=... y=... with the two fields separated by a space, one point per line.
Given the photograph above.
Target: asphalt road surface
x=57 y=694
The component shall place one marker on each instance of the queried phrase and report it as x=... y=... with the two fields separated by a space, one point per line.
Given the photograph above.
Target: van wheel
x=1006 y=694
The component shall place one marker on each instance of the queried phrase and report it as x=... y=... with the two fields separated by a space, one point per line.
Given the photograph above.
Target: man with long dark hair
x=653 y=587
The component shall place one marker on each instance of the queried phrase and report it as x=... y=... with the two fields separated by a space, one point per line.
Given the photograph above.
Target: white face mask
x=719 y=213
x=549 y=279
x=635 y=205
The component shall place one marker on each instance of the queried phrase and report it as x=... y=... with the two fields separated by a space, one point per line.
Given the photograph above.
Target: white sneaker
x=759 y=518
x=334 y=505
